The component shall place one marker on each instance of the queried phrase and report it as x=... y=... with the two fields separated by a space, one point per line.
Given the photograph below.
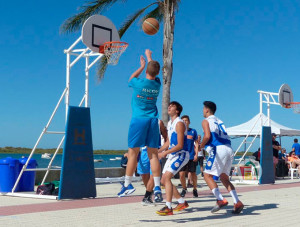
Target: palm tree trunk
x=169 y=23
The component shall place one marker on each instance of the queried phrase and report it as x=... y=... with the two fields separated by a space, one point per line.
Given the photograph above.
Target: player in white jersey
x=178 y=156
x=218 y=146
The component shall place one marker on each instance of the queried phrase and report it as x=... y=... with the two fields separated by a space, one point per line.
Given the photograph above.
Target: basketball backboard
x=285 y=95
x=97 y=30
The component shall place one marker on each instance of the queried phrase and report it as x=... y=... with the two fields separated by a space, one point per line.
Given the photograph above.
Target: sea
x=107 y=160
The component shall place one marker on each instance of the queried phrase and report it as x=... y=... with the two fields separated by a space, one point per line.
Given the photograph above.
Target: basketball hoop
x=113 y=50
x=294 y=105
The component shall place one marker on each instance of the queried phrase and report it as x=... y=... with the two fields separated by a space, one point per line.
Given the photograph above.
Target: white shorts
x=176 y=161
x=219 y=160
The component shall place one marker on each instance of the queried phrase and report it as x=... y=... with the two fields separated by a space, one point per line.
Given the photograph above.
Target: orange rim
x=116 y=45
x=291 y=104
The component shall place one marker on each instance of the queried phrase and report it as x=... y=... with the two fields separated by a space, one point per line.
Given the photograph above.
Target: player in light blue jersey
x=143 y=129
x=178 y=156
x=218 y=145
x=143 y=168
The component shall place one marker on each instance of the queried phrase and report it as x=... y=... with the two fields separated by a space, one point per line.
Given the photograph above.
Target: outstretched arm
x=148 y=54
x=139 y=70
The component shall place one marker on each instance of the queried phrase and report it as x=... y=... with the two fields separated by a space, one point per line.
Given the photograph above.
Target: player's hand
x=143 y=62
x=161 y=155
x=148 y=54
x=195 y=158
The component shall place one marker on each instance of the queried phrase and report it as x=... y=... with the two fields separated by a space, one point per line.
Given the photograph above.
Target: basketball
x=150 y=26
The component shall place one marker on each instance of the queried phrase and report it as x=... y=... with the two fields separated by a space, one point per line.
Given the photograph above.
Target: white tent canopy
x=244 y=129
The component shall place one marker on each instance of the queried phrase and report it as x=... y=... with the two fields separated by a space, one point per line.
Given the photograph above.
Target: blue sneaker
x=158 y=195
x=126 y=190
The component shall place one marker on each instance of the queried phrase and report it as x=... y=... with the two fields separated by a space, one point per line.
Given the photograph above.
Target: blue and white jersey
x=172 y=134
x=218 y=134
x=191 y=138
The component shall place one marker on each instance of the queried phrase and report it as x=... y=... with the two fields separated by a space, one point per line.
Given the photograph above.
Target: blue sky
x=224 y=51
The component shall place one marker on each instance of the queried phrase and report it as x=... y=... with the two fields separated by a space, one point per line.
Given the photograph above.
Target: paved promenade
x=265 y=205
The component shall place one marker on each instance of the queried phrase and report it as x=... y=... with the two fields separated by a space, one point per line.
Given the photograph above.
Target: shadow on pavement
x=248 y=210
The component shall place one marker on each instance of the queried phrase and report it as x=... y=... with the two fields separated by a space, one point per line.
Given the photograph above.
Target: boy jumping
x=143 y=129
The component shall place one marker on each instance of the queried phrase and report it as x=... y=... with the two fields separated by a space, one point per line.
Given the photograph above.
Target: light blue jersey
x=143 y=166
x=144 y=97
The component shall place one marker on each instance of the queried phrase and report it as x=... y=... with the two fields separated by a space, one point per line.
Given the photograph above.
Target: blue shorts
x=143 y=166
x=143 y=132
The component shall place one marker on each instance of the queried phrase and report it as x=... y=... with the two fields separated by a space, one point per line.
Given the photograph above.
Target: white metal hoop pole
x=38 y=141
x=86 y=81
x=260 y=108
x=67 y=86
x=66 y=94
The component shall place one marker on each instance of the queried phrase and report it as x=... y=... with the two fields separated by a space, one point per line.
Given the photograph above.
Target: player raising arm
x=143 y=129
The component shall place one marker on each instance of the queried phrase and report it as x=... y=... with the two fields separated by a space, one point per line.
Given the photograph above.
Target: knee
x=224 y=177
x=133 y=152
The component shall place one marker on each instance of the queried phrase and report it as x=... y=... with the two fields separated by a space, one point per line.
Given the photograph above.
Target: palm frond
x=101 y=68
x=132 y=18
x=124 y=27
x=75 y=22
x=157 y=13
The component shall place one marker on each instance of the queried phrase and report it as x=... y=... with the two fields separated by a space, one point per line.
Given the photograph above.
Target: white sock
x=217 y=193
x=128 y=180
x=180 y=200
x=156 y=181
x=169 y=205
x=234 y=196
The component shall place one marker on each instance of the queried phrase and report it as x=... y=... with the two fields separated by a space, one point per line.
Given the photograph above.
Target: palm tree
x=162 y=10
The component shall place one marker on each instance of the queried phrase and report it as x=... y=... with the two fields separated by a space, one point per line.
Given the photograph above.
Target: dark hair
x=210 y=105
x=296 y=140
x=290 y=154
x=153 y=68
x=186 y=116
x=178 y=106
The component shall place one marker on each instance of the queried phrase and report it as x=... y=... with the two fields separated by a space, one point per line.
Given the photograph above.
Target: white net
x=113 y=51
x=296 y=107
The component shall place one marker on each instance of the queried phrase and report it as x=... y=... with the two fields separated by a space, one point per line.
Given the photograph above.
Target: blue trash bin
x=9 y=172
x=28 y=177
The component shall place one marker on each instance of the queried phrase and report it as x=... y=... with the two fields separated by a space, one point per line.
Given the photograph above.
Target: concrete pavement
x=265 y=205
